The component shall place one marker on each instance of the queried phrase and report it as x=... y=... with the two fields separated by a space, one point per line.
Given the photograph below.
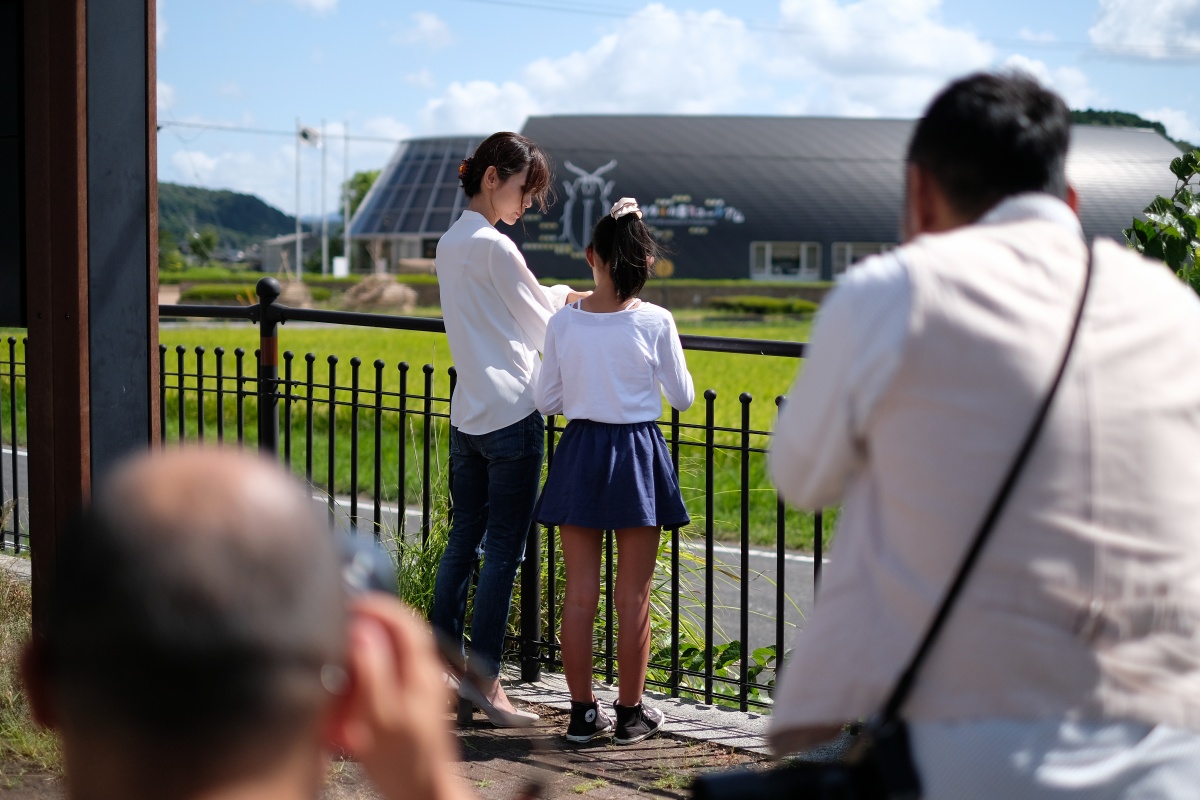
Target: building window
x=800 y=261
x=847 y=254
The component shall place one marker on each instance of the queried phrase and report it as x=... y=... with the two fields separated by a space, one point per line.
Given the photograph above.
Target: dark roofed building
x=414 y=201
x=781 y=198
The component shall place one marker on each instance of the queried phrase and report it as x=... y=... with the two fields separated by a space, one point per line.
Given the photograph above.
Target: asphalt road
x=761 y=578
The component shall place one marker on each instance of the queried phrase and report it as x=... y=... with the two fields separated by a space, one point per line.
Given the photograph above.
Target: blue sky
x=390 y=70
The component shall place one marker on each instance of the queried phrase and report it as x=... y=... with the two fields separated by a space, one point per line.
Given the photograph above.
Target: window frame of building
x=844 y=255
x=769 y=261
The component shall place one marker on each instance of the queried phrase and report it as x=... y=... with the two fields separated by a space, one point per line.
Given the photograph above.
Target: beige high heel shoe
x=498 y=717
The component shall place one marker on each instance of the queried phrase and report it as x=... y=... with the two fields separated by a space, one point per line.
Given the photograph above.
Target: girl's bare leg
x=637 y=551
x=581 y=556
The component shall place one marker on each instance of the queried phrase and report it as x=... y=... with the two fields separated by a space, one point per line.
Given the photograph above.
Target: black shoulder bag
x=879 y=765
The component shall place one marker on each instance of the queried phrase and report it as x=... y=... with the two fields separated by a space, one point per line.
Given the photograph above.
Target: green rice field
x=763 y=378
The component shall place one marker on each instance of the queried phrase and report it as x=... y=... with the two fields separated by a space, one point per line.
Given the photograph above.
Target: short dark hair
x=628 y=248
x=991 y=135
x=195 y=625
x=509 y=153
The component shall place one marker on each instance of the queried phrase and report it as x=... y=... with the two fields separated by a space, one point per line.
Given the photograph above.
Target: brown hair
x=509 y=153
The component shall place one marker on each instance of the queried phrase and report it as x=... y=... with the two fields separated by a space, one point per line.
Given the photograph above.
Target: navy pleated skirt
x=611 y=476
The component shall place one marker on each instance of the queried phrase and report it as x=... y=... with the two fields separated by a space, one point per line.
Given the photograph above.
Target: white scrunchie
x=626 y=205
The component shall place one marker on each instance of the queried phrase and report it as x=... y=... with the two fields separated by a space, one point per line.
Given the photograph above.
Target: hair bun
x=626 y=205
x=463 y=167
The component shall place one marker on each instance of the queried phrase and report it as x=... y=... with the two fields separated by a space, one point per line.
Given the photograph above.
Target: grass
x=763 y=378
x=24 y=747
x=589 y=785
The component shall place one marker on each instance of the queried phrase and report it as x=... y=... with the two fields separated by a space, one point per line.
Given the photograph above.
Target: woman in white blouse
x=496 y=314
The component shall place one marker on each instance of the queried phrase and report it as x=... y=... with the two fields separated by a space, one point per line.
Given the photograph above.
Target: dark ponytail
x=626 y=246
x=509 y=153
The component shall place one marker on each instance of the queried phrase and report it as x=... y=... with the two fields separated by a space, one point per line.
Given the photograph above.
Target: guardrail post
x=268 y=290
x=531 y=605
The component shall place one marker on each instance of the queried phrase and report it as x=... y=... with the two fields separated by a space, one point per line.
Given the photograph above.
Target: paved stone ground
x=506 y=763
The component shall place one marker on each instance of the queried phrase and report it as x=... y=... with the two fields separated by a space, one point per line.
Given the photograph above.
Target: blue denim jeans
x=492 y=491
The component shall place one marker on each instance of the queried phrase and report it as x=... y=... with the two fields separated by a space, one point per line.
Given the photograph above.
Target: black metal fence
x=372 y=440
x=14 y=536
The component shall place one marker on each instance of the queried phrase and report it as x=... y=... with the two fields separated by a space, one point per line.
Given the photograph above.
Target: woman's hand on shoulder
x=575 y=296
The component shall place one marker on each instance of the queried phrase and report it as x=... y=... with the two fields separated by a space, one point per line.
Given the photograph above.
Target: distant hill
x=1123 y=119
x=240 y=219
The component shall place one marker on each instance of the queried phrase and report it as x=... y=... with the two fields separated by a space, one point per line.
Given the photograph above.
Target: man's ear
x=1072 y=199
x=927 y=208
x=916 y=202
x=35 y=675
x=342 y=730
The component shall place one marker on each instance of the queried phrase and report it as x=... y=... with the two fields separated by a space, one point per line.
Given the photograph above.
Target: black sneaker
x=635 y=723
x=588 y=721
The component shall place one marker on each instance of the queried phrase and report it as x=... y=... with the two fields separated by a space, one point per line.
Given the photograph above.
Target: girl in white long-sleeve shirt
x=607 y=361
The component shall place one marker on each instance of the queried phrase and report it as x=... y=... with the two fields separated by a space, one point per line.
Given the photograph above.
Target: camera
x=366 y=567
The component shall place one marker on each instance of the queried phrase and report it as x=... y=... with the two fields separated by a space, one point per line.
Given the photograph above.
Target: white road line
x=367 y=509
x=727 y=550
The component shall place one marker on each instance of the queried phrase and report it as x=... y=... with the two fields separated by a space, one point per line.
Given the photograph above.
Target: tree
x=1171 y=232
x=358 y=186
x=169 y=257
x=203 y=243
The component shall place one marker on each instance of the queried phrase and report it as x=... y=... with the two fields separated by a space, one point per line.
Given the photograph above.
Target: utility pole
x=347 y=248
x=299 y=246
x=323 y=208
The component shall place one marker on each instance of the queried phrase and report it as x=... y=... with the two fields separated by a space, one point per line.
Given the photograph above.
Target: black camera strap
x=890 y=712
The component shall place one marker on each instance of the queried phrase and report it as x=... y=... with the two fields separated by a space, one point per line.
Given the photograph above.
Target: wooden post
x=59 y=414
x=86 y=355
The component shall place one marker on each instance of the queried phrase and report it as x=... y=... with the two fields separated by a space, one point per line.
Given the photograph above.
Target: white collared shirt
x=854 y=349
x=496 y=313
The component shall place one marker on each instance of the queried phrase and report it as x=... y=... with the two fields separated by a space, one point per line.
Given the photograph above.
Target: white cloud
x=316 y=6
x=422 y=79
x=1037 y=37
x=656 y=61
x=229 y=89
x=166 y=96
x=479 y=107
x=270 y=175
x=160 y=25
x=1069 y=82
x=199 y=165
x=427 y=29
x=1180 y=124
x=387 y=127
x=1148 y=29
x=863 y=58
x=871 y=57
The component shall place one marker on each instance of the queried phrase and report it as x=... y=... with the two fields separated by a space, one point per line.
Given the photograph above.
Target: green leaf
x=1188 y=226
x=764 y=655
x=728 y=653
x=1183 y=167
x=1160 y=205
x=1175 y=252
x=1154 y=248
x=1168 y=220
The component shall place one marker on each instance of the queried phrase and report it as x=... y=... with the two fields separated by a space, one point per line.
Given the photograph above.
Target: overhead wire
x=170 y=123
